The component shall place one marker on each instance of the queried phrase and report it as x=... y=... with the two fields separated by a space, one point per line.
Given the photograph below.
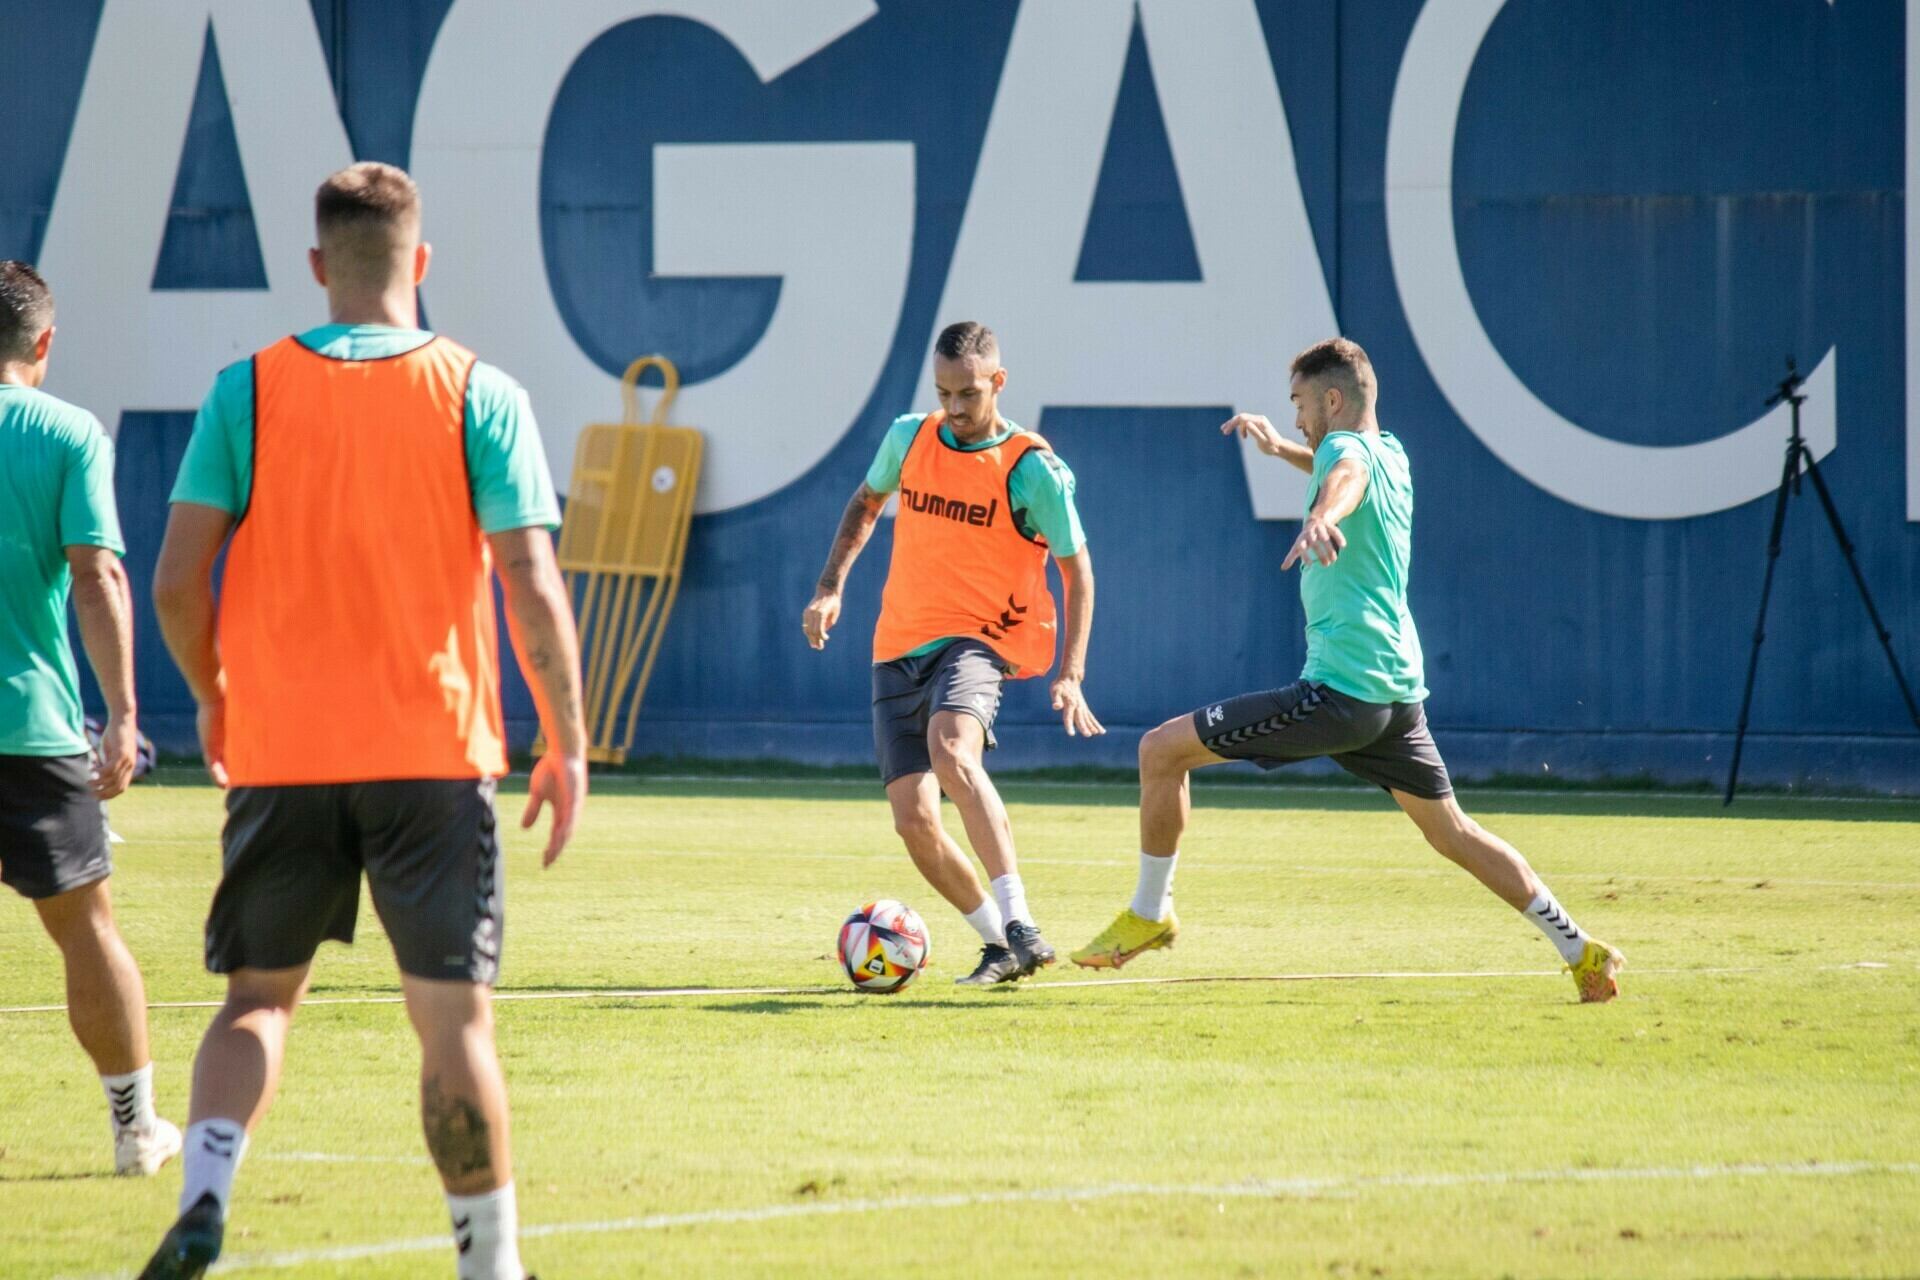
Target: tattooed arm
x=856 y=526
x=540 y=620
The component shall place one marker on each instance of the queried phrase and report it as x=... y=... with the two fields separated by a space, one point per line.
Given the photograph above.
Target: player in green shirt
x=1360 y=698
x=60 y=537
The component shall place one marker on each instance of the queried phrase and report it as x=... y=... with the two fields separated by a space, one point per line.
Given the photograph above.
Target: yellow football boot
x=1125 y=938
x=1594 y=972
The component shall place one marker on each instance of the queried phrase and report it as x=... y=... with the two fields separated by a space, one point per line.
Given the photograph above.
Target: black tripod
x=1800 y=459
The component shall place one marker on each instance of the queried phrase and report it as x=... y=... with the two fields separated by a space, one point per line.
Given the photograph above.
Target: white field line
x=1266 y=1188
x=1290 y=788
x=1201 y=866
x=1078 y=984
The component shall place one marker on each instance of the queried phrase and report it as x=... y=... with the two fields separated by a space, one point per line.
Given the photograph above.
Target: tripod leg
x=1760 y=624
x=1860 y=581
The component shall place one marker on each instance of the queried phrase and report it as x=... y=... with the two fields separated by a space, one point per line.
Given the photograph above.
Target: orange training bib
x=356 y=615
x=961 y=566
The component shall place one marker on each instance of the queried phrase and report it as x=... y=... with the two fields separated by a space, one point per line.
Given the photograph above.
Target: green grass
x=1361 y=1127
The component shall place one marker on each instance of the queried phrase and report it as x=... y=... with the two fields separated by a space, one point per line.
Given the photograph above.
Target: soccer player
x=966 y=606
x=372 y=476
x=1361 y=697
x=60 y=535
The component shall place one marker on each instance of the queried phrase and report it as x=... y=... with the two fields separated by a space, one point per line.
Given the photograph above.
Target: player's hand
x=819 y=618
x=562 y=782
x=1319 y=540
x=1251 y=426
x=113 y=765
x=211 y=721
x=1071 y=703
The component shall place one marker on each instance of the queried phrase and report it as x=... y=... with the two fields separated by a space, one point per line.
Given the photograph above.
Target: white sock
x=1552 y=920
x=213 y=1151
x=986 y=922
x=1012 y=896
x=1153 y=895
x=130 y=1097
x=486 y=1233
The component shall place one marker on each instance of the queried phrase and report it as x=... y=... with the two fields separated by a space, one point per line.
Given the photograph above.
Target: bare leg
x=1167 y=755
x=916 y=816
x=463 y=1096
x=237 y=1070
x=956 y=742
x=106 y=1000
x=1491 y=860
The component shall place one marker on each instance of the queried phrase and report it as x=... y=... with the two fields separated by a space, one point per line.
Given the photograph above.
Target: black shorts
x=294 y=855
x=53 y=834
x=964 y=676
x=1386 y=743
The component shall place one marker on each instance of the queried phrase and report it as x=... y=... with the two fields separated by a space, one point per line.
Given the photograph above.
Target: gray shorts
x=53 y=835
x=907 y=692
x=1386 y=743
x=293 y=857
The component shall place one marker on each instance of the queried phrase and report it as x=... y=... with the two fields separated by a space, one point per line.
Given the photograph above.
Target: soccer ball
x=882 y=946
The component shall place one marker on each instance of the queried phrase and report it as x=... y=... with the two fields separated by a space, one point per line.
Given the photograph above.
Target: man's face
x=969 y=392
x=1314 y=404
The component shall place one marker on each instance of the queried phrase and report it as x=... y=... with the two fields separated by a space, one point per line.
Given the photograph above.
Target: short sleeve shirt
x=1041 y=487
x=507 y=467
x=1361 y=639
x=56 y=491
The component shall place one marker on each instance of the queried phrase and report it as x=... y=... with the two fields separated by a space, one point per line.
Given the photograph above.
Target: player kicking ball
x=966 y=607
x=1360 y=698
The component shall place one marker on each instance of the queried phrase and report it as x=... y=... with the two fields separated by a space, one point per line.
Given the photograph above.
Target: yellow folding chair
x=621 y=548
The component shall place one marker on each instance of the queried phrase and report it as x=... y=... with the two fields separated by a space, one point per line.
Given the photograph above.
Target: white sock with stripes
x=213 y=1151
x=1552 y=919
x=486 y=1233
x=131 y=1098
x=986 y=921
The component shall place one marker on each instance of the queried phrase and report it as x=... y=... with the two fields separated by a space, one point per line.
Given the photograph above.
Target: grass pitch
x=1751 y=1106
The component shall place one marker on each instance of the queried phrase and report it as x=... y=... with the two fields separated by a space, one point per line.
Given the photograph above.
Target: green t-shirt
x=56 y=491
x=1040 y=491
x=1360 y=636
x=506 y=465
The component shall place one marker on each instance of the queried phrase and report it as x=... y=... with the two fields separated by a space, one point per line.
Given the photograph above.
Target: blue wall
x=1652 y=210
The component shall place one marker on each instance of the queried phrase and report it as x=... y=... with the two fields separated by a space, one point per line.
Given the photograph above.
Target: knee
x=918 y=827
x=1160 y=753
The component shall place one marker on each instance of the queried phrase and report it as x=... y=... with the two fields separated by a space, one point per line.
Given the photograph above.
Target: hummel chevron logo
x=1006 y=623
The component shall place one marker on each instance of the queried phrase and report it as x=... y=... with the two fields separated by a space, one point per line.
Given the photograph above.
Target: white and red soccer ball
x=882 y=946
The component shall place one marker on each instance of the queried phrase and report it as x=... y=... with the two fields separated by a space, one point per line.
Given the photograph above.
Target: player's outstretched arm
x=856 y=526
x=1320 y=536
x=1076 y=574
x=540 y=621
x=1267 y=438
x=183 y=604
x=103 y=602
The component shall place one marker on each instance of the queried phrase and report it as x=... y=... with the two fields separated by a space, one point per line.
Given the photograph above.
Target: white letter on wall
x=1643 y=482
x=123 y=346
x=1224 y=341
x=840 y=231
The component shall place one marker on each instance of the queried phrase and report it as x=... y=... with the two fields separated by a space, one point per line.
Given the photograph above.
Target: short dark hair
x=368 y=192
x=363 y=215
x=1343 y=361
x=26 y=309
x=967 y=338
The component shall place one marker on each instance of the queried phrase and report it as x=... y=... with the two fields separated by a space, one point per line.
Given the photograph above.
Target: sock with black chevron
x=1552 y=919
x=486 y=1235
x=131 y=1098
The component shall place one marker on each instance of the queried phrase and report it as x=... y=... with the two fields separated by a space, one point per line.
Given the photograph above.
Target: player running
x=372 y=476
x=1360 y=698
x=966 y=606
x=60 y=535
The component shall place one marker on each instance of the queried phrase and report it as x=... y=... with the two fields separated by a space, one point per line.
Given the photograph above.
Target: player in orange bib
x=982 y=505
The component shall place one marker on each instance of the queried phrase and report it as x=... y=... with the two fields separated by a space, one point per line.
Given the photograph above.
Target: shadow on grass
x=98 y=1175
